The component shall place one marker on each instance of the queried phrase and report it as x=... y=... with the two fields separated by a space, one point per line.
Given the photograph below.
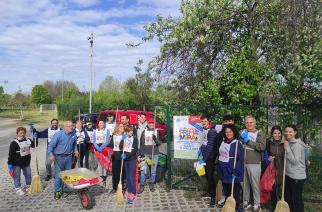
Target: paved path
x=160 y=200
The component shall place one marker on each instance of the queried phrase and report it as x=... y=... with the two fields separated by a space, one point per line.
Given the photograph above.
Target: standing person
x=83 y=148
x=275 y=150
x=226 y=159
x=125 y=120
x=295 y=169
x=48 y=133
x=118 y=136
x=101 y=138
x=255 y=143
x=227 y=119
x=150 y=142
x=61 y=149
x=130 y=146
x=19 y=159
x=207 y=150
x=142 y=125
x=110 y=123
x=89 y=130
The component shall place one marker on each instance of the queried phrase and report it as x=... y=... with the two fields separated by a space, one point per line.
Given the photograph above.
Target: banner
x=187 y=135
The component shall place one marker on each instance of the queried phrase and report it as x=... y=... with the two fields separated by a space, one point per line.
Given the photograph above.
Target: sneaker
x=19 y=191
x=57 y=195
x=256 y=207
x=26 y=188
x=141 y=189
x=247 y=205
x=212 y=202
x=152 y=187
x=221 y=202
x=47 y=177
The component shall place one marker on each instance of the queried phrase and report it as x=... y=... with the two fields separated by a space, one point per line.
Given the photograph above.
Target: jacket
x=254 y=149
x=14 y=157
x=117 y=153
x=295 y=160
x=208 y=150
x=147 y=149
x=276 y=149
x=134 y=150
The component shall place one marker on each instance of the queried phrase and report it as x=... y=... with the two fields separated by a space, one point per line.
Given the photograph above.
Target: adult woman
x=118 y=137
x=295 y=169
x=275 y=150
x=101 y=138
x=226 y=168
x=82 y=146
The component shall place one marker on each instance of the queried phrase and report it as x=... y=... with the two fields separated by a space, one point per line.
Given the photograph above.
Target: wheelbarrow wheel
x=86 y=200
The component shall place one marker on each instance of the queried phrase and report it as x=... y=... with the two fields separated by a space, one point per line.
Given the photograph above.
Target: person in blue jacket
x=207 y=149
x=226 y=158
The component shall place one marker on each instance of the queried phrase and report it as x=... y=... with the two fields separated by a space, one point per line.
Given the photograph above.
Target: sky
x=41 y=39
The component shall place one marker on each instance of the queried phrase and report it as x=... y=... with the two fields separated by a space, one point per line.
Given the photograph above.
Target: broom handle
x=121 y=168
x=284 y=175
x=155 y=117
x=36 y=143
x=245 y=154
x=232 y=186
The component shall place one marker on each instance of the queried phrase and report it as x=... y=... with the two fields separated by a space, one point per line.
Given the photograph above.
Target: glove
x=244 y=137
x=10 y=168
x=123 y=156
x=99 y=149
x=35 y=135
x=202 y=162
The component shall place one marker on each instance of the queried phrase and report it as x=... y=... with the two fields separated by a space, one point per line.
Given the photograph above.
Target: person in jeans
x=295 y=173
x=150 y=142
x=255 y=143
x=61 y=150
x=209 y=155
x=19 y=159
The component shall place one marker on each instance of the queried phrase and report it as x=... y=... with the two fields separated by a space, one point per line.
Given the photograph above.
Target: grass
x=30 y=116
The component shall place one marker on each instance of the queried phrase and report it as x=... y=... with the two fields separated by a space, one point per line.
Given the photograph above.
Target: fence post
x=169 y=165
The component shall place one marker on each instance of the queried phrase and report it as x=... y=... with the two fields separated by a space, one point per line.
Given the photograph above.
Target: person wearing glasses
x=61 y=150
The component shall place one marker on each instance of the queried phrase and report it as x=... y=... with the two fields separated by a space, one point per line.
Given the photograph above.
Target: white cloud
x=38 y=42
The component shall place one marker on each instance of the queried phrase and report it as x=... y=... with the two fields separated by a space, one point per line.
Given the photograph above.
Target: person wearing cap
x=150 y=142
x=48 y=133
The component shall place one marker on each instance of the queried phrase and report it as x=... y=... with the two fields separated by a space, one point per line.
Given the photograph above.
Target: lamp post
x=91 y=41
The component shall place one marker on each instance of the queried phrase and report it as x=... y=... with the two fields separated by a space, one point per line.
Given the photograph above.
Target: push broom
x=36 y=186
x=282 y=205
x=230 y=203
x=119 y=191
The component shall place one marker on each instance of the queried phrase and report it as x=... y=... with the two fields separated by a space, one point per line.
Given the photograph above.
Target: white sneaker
x=19 y=191
x=246 y=205
x=257 y=207
x=26 y=188
x=222 y=200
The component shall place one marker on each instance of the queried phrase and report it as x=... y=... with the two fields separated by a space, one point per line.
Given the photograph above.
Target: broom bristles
x=282 y=206
x=230 y=205
x=119 y=195
x=36 y=186
x=219 y=190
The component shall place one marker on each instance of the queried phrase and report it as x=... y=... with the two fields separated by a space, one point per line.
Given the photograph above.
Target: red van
x=133 y=116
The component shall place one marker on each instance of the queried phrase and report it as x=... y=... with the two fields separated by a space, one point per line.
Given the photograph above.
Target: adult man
x=142 y=125
x=61 y=149
x=125 y=120
x=207 y=149
x=48 y=133
x=255 y=142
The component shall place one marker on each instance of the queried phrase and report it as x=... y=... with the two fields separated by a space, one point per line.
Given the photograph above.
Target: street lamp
x=91 y=41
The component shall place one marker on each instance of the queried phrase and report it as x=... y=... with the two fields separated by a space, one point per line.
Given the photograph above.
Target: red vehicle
x=133 y=116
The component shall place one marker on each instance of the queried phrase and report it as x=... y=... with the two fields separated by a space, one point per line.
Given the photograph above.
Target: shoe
x=212 y=202
x=57 y=195
x=19 y=191
x=141 y=189
x=246 y=205
x=113 y=191
x=152 y=187
x=47 y=177
x=256 y=208
x=221 y=202
x=26 y=188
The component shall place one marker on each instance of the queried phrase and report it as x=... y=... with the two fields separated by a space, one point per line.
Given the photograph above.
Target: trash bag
x=104 y=158
x=266 y=183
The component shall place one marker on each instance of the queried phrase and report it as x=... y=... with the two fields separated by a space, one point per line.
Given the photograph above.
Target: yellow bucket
x=200 y=169
x=148 y=161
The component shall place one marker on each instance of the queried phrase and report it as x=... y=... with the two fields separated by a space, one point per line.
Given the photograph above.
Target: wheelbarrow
x=79 y=180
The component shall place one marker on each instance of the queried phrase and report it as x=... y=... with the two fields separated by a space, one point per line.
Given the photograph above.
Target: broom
x=282 y=205
x=36 y=186
x=230 y=203
x=119 y=191
x=219 y=191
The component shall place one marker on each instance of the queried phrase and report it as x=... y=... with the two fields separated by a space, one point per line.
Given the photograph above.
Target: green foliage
x=39 y=95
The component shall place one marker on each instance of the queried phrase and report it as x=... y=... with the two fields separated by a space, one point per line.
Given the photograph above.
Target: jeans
x=61 y=164
x=17 y=172
x=83 y=154
x=131 y=171
x=48 y=163
x=153 y=170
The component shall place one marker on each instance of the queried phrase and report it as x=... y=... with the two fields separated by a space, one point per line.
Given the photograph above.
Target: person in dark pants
x=118 y=137
x=207 y=149
x=295 y=169
x=82 y=144
x=226 y=169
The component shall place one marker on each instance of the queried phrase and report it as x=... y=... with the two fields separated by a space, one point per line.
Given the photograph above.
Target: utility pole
x=62 y=89
x=91 y=41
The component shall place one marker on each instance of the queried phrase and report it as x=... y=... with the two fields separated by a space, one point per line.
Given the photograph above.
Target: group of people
x=137 y=146
x=251 y=144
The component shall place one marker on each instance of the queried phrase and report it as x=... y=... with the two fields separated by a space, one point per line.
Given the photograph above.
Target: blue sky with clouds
x=40 y=38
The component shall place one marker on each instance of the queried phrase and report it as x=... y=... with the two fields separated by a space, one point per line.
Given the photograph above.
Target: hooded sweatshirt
x=295 y=160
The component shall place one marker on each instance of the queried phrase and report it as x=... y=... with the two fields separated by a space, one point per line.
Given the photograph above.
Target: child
x=130 y=147
x=19 y=159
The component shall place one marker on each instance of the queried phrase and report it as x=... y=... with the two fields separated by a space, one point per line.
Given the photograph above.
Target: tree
x=39 y=95
x=109 y=84
x=55 y=88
